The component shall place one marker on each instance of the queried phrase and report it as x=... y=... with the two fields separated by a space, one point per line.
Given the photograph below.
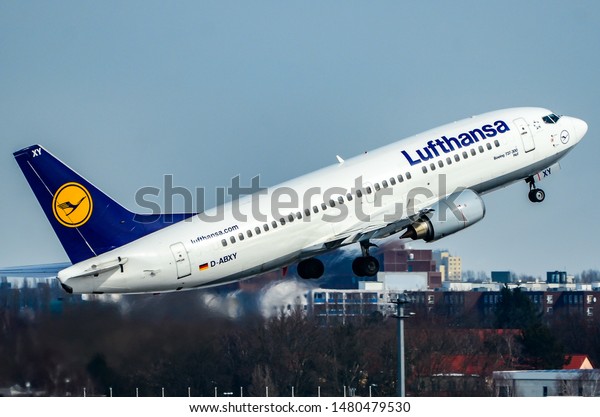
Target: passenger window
x=480 y=149
x=377 y=187
x=441 y=163
x=282 y=221
x=249 y=233
x=232 y=239
x=392 y=181
x=349 y=197
x=359 y=193
x=488 y=145
x=400 y=178
x=496 y=143
x=473 y=152
x=341 y=200
x=432 y=166
x=224 y=242
x=257 y=230
x=323 y=206
x=266 y=227
x=465 y=155
x=384 y=183
x=457 y=158
x=408 y=176
x=290 y=217
x=315 y=209
x=369 y=191
x=299 y=215
x=332 y=203
x=241 y=236
x=449 y=161
x=274 y=224
x=306 y=212
x=424 y=169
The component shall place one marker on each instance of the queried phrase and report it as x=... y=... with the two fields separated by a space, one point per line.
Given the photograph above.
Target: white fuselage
x=480 y=153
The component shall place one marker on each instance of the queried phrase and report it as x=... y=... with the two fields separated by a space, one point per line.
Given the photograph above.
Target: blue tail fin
x=86 y=221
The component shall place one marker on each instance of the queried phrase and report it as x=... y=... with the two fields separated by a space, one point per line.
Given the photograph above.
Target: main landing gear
x=536 y=195
x=366 y=265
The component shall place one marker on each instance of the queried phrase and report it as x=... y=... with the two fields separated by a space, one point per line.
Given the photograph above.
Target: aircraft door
x=182 y=261
x=525 y=133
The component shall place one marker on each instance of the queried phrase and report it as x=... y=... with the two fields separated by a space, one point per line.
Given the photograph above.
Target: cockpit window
x=551 y=118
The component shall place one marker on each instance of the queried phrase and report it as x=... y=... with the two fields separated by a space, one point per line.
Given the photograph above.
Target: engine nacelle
x=449 y=215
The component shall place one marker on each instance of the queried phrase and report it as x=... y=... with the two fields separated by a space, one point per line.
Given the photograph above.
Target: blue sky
x=125 y=92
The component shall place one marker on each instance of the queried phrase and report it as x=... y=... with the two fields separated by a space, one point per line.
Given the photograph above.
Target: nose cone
x=581 y=128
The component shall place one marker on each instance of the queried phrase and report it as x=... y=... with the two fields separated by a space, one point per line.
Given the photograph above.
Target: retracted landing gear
x=366 y=265
x=536 y=195
x=311 y=268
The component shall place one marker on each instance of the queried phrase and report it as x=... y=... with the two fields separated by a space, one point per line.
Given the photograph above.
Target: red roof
x=577 y=362
x=469 y=364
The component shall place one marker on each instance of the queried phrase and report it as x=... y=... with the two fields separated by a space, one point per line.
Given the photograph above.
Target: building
x=399 y=258
x=449 y=267
x=563 y=382
x=577 y=362
x=502 y=277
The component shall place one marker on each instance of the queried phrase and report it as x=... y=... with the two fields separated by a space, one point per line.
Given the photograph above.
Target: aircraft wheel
x=537 y=195
x=311 y=269
x=365 y=266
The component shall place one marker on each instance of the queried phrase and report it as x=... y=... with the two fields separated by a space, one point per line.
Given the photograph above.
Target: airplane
x=425 y=187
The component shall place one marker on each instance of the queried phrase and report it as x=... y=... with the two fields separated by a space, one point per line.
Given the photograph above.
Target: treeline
x=173 y=342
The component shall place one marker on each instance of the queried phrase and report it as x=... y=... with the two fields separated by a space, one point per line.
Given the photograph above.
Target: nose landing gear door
x=182 y=262
x=526 y=136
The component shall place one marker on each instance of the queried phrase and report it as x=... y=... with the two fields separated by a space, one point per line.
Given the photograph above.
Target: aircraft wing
x=34 y=271
x=371 y=231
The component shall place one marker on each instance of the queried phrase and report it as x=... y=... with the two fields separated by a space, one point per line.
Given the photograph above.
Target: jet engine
x=455 y=212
